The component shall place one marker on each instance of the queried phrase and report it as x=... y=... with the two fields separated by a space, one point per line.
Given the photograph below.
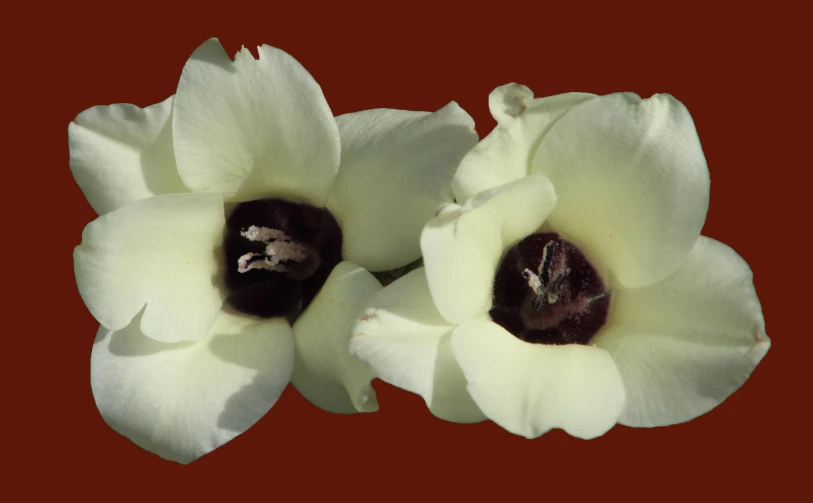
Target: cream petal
x=685 y=344
x=408 y=344
x=161 y=255
x=183 y=400
x=462 y=248
x=325 y=373
x=505 y=154
x=122 y=153
x=632 y=182
x=395 y=172
x=250 y=129
x=529 y=389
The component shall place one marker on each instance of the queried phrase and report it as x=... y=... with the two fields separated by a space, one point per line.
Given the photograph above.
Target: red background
x=740 y=72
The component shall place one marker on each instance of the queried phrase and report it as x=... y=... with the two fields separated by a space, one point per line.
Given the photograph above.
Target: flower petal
x=251 y=129
x=408 y=344
x=632 y=182
x=685 y=344
x=505 y=154
x=462 y=248
x=325 y=373
x=185 y=399
x=122 y=153
x=529 y=389
x=160 y=252
x=395 y=172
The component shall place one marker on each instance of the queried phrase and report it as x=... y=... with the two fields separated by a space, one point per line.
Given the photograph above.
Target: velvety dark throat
x=278 y=256
x=546 y=292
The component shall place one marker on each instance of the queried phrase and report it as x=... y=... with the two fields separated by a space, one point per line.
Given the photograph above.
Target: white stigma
x=279 y=248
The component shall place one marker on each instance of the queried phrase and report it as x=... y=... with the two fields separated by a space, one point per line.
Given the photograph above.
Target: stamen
x=533 y=281
x=249 y=261
x=278 y=255
x=548 y=281
x=544 y=262
x=264 y=234
x=279 y=248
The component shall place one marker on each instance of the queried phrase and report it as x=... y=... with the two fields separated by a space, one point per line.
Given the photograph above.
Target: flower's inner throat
x=545 y=291
x=278 y=256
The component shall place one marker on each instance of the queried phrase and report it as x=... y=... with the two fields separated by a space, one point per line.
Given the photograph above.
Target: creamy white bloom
x=174 y=368
x=624 y=180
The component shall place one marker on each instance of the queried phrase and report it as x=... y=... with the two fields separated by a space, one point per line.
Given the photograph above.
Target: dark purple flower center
x=546 y=292
x=278 y=256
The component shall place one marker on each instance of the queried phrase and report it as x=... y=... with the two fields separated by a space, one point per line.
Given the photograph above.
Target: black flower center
x=278 y=256
x=546 y=292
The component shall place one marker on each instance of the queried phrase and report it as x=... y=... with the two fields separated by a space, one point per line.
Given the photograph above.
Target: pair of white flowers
x=206 y=315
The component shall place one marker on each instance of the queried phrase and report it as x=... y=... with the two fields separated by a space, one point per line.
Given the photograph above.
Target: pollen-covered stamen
x=278 y=255
x=545 y=291
x=279 y=248
x=264 y=234
x=534 y=282
x=549 y=278
x=544 y=263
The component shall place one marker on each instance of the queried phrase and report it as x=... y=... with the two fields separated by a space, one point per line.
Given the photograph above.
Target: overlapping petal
x=251 y=129
x=185 y=399
x=529 y=389
x=462 y=247
x=632 y=183
x=395 y=172
x=122 y=153
x=685 y=344
x=160 y=255
x=505 y=154
x=408 y=344
x=325 y=373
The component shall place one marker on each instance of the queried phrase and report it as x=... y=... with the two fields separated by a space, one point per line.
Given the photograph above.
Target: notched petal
x=250 y=129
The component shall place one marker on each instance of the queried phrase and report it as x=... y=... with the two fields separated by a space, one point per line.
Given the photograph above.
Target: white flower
x=571 y=287
x=177 y=366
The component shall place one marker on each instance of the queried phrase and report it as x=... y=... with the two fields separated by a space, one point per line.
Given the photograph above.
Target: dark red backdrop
x=739 y=73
